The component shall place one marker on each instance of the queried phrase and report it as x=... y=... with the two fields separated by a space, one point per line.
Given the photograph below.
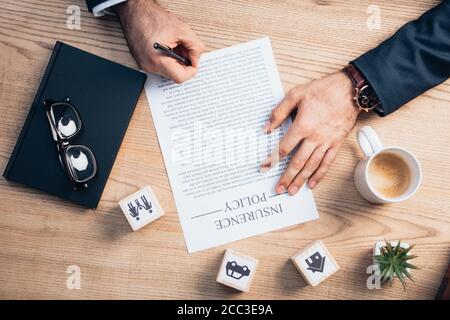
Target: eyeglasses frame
x=63 y=143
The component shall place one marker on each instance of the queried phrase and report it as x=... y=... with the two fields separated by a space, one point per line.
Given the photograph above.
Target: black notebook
x=105 y=94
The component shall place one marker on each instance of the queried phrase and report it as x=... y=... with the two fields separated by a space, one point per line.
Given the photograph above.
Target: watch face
x=367 y=98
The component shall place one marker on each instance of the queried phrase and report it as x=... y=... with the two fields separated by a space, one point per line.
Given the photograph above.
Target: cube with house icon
x=315 y=263
x=237 y=270
x=141 y=208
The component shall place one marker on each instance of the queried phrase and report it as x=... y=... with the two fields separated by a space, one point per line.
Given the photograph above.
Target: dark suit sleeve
x=415 y=59
x=92 y=3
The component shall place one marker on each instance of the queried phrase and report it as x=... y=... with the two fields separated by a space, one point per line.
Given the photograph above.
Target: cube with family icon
x=315 y=263
x=141 y=208
x=237 y=270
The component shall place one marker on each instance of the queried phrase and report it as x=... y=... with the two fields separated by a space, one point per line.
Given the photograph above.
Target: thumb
x=284 y=108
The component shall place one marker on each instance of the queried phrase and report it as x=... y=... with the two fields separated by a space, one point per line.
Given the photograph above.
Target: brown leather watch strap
x=356 y=76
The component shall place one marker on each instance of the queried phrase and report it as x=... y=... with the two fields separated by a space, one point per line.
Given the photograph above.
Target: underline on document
x=205 y=214
x=277 y=194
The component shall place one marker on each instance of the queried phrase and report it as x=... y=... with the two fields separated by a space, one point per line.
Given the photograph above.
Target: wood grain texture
x=40 y=235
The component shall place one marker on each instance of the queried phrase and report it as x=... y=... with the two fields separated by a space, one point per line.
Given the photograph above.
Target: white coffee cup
x=371 y=146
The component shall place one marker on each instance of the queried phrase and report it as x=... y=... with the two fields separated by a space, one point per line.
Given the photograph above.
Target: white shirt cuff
x=102 y=8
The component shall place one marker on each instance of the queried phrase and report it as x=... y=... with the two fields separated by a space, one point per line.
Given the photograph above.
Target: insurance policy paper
x=210 y=132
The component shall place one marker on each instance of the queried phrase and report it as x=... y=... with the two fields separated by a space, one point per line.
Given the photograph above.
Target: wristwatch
x=365 y=97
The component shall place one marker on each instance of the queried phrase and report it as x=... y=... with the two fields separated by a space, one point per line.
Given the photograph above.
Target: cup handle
x=368 y=141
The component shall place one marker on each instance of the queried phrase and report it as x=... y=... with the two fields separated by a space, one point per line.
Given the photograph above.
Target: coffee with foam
x=389 y=175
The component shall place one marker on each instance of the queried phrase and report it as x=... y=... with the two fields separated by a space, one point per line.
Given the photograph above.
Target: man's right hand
x=144 y=22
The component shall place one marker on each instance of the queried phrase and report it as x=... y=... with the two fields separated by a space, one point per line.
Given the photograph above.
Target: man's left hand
x=325 y=116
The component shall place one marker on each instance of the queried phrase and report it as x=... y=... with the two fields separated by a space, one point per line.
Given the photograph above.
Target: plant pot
x=380 y=244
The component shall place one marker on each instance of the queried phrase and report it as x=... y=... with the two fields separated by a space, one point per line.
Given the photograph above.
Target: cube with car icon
x=141 y=208
x=237 y=270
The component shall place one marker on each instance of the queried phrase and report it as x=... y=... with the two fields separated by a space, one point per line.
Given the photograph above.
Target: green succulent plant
x=393 y=262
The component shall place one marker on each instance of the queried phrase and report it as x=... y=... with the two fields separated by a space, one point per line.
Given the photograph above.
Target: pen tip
x=155 y=45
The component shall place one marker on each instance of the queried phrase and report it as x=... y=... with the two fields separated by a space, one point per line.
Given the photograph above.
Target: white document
x=210 y=132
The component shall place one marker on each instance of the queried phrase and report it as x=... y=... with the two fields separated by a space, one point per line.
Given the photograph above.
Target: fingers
x=293 y=136
x=171 y=68
x=310 y=167
x=283 y=109
x=194 y=47
x=327 y=160
x=189 y=45
x=296 y=164
x=287 y=143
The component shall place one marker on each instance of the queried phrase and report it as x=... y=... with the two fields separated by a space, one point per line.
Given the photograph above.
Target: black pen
x=169 y=52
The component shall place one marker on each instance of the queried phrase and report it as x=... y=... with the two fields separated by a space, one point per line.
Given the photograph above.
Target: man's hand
x=144 y=22
x=325 y=116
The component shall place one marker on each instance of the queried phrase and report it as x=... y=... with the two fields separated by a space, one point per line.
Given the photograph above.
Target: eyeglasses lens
x=67 y=121
x=81 y=162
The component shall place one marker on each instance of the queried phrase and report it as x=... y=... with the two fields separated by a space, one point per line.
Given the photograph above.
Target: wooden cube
x=315 y=263
x=237 y=270
x=141 y=208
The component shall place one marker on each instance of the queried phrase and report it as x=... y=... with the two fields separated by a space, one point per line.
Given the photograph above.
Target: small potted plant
x=393 y=258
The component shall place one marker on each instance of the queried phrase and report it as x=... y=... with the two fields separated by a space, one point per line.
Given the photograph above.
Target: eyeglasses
x=65 y=123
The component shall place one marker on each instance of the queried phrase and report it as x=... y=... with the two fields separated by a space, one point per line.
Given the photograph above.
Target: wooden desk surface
x=40 y=235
